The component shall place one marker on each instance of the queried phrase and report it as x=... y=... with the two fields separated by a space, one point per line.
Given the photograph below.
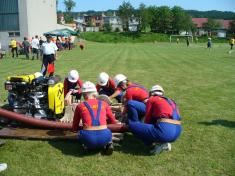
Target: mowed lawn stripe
x=202 y=83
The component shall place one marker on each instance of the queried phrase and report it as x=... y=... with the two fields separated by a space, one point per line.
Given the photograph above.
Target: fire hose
x=46 y=124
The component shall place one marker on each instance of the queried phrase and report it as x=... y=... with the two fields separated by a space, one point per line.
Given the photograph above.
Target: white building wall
x=41 y=16
x=35 y=18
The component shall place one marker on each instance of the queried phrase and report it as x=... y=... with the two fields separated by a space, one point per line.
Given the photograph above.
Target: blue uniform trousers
x=159 y=132
x=95 y=139
x=135 y=110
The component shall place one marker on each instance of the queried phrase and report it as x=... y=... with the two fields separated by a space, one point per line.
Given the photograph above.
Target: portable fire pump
x=36 y=96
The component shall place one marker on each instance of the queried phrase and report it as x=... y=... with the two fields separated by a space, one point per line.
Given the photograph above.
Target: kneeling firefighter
x=162 y=122
x=134 y=99
x=106 y=86
x=94 y=113
x=72 y=87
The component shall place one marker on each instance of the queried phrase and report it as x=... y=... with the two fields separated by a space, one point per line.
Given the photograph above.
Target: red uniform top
x=157 y=107
x=136 y=92
x=82 y=112
x=68 y=85
x=110 y=85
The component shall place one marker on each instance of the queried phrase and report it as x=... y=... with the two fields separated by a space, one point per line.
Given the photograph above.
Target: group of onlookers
x=34 y=46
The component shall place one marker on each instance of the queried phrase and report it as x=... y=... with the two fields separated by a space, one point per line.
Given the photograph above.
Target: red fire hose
x=51 y=124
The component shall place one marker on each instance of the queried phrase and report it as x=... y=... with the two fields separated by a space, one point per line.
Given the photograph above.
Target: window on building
x=14 y=34
x=9 y=15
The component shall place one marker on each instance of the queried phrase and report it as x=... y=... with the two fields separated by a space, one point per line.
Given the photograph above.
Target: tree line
x=161 y=19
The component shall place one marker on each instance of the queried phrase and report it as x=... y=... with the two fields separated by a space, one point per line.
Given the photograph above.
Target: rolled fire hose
x=51 y=124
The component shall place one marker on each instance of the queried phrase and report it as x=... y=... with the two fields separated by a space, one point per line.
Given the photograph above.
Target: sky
x=202 y=5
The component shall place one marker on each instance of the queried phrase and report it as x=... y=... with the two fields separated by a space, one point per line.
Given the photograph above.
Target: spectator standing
x=14 y=49
x=49 y=56
x=41 y=41
x=187 y=41
x=35 y=47
x=232 y=41
x=26 y=47
x=209 y=43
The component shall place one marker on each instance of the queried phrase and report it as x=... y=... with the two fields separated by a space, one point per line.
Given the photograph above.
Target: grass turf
x=201 y=81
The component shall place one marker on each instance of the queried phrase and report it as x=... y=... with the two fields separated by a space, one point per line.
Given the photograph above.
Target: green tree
x=69 y=5
x=152 y=12
x=179 y=19
x=125 y=11
x=188 y=24
x=210 y=25
x=163 y=19
x=107 y=27
x=143 y=17
x=232 y=27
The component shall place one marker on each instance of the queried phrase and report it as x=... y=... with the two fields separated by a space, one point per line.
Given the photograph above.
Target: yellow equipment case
x=56 y=98
x=22 y=78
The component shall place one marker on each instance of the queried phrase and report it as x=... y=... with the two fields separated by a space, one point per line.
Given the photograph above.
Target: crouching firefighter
x=162 y=123
x=134 y=99
x=93 y=113
x=106 y=86
x=72 y=87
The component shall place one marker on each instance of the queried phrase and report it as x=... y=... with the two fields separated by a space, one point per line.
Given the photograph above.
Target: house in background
x=26 y=18
x=114 y=21
x=221 y=31
x=224 y=26
x=89 y=23
x=133 y=24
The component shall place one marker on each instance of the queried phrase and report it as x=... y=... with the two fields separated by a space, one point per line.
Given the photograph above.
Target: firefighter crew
x=162 y=123
x=94 y=113
x=72 y=87
x=135 y=97
x=107 y=86
x=49 y=56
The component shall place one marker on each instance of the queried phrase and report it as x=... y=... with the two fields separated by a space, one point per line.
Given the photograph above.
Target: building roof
x=199 y=22
x=224 y=23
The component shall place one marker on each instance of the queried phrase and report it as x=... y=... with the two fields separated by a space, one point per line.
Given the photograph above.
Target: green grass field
x=202 y=82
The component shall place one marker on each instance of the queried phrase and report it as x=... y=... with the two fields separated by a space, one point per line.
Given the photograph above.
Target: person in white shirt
x=49 y=56
x=35 y=47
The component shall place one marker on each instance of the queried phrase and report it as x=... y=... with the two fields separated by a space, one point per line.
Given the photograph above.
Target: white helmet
x=38 y=74
x=157 y=90
x=73 y=76
x=103 y=79
x=119 y=78
x=88 y=87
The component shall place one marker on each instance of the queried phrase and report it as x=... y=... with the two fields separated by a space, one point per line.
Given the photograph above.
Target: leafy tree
x=107 y=27
x=152 y=12
x=69 y=5
x=179 y=19
x=232 y=27
x=163 y=19
x=210 y=25
x=125 y=11
x=68 y=18
x=143 y=17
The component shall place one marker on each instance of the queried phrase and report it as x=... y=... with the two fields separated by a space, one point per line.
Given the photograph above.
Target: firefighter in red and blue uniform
x=134 y=99
x=107 y=86
x=72 y=86
x=162 y=122
x=94 y=115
